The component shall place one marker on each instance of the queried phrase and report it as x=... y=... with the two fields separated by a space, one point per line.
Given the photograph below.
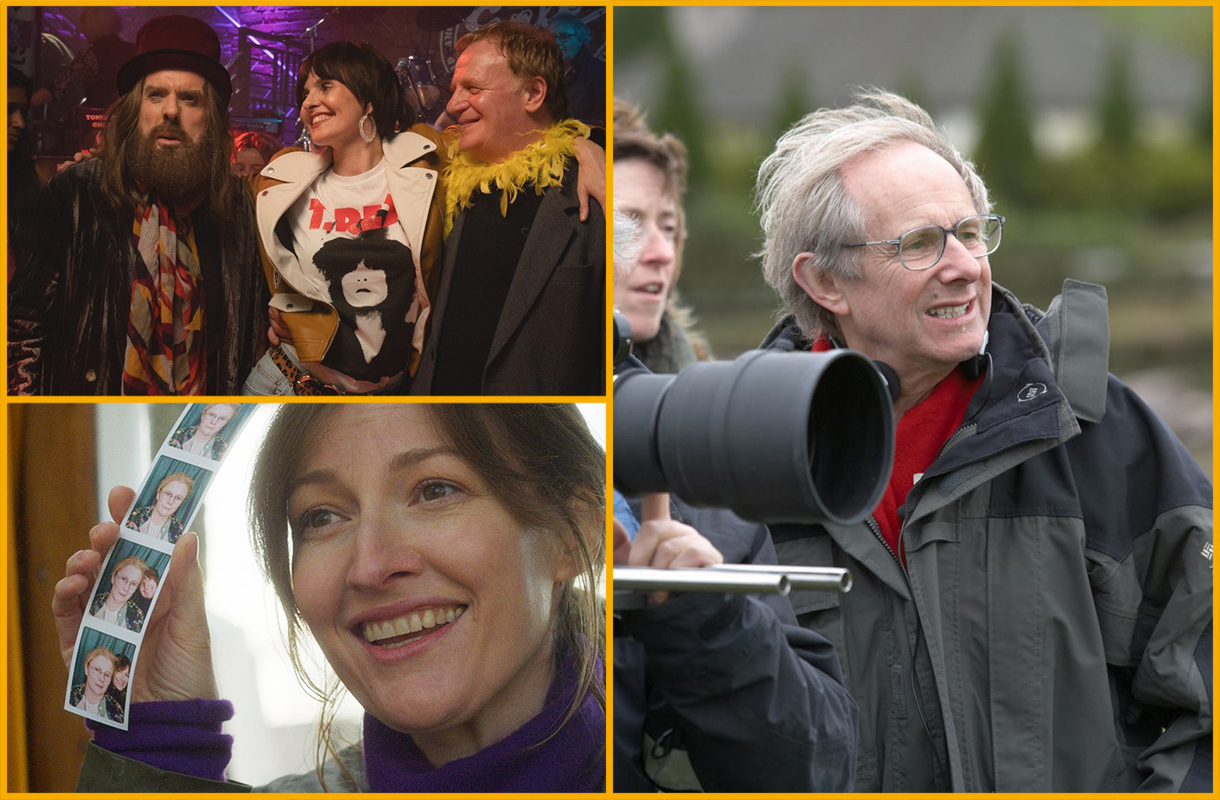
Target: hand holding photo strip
x=129 y=581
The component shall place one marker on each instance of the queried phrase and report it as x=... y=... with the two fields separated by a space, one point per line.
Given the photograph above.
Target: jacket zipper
x=952 y=440
x=876 y=529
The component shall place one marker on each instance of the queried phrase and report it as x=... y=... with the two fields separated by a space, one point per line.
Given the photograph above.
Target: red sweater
x=922 y=432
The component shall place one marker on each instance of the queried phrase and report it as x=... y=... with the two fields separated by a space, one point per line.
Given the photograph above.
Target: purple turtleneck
x=185 y=737
x=571 y=761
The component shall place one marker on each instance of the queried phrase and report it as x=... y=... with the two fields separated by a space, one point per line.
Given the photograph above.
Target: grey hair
x=804 y=208
x=626 y=243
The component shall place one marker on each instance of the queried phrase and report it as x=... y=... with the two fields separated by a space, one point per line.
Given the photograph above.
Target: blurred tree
x=795 y=100
x=639 y=30
x=1005 y=150
x=1116 y=107
x=1202 y=117
x=1186 y=30
x=678 y=109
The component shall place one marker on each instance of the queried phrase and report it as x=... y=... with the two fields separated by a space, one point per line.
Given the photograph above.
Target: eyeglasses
x=922 y=247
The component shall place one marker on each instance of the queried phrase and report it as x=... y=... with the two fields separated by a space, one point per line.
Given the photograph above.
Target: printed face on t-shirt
x=348 y=240
x=364 y=287
x=373 y=339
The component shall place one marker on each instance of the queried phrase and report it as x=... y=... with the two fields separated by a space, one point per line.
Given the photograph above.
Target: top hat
x=177 y=42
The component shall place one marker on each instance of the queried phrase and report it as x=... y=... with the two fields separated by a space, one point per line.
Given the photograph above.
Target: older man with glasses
x=1032 y=601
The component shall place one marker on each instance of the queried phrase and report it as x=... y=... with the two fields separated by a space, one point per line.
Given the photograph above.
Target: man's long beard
x=172 y=173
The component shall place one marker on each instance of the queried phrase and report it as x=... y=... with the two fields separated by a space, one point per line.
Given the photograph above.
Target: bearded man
x=145 y=278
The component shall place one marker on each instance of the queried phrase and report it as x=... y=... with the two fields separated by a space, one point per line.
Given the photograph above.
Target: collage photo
x=616 y=398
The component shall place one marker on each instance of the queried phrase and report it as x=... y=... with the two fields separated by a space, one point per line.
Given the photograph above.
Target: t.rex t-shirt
x=345 y=233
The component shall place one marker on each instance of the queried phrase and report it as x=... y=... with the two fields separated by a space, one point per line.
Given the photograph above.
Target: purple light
x=237 y=24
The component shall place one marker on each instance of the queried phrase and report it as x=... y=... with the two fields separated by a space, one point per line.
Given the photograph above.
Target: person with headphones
x=1032 y=605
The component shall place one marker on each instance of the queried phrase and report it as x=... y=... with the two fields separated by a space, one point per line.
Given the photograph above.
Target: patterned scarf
x=166 y=351
x=540 y=164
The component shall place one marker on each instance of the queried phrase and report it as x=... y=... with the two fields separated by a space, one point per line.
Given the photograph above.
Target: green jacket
x=1052 y=628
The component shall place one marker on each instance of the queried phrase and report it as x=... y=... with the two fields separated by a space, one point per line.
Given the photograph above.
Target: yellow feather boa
x=540 y=164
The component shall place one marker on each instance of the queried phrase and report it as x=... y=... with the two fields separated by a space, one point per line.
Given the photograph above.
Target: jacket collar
x=290 y=174
x=300 y=165
x=1019 y=360
x=405 y=148
x=1018 y=412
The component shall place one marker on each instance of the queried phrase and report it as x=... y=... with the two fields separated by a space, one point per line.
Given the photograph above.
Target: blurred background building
x=1091 y=126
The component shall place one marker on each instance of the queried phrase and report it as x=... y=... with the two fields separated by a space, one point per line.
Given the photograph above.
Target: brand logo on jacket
x=1031 y=390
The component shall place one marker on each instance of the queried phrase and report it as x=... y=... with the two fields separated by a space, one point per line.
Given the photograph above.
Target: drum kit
x=419 y=82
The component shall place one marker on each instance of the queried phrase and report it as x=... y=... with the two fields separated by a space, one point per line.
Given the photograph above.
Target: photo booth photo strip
x=129 y=581
x=102 y=666
x=205 y=431
x=126 y=587
x=168 y=500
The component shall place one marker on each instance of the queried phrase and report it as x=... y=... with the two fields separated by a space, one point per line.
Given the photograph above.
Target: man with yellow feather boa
x=521 y=304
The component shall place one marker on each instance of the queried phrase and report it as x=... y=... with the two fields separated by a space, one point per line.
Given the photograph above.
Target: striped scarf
x=166 y=350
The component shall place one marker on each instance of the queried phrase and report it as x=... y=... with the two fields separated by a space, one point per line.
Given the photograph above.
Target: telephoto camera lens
x=776 y=437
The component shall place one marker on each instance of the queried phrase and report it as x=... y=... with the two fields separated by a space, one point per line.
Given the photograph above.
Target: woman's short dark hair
x=368 y=75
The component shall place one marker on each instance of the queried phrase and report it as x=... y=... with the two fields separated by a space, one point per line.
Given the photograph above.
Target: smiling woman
x=445 y=558
x=353 y=231
x=350 y=231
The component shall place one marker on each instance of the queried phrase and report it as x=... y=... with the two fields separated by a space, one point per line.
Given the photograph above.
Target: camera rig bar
x=632 y=583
